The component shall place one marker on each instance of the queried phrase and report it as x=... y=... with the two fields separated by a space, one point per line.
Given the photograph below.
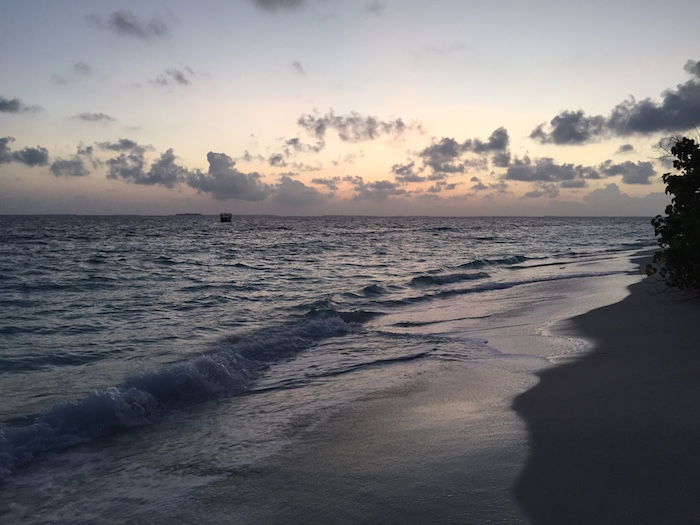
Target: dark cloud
x=74 y=167
x=292 y=192
x=353 y=127
x=379 y=190
x=37 y=156
x=501 y=159
x=569 y=127
x=497 y=141
x=678 y=110
x=277 y=160
x=479 y=186
x=295 y=145
x=94 y=117
x=329 y=182
x=274 y=5
x=15 y=105
x=406 y=173
x=129 y=165
x=632 y=172
x=573 y=183
x=123 y=145
x=173 y=77
x=298 y=68
x=543 y=189
x=692 y=67
x=546 y=170
x=125 y=23
x=441 y=156
x=625 y=148
x=447 y=155
x=224 y=181
x=442 y=186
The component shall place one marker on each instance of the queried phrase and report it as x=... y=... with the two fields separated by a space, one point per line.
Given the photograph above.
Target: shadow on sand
x=615 y=435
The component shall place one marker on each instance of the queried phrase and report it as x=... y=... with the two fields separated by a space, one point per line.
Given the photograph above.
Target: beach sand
x=608 y=436
x=614 y=437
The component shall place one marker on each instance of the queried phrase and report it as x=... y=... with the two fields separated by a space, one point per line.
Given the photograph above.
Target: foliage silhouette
x=678 y=233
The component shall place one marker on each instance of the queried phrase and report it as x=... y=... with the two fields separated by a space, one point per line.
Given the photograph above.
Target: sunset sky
x=308 y=107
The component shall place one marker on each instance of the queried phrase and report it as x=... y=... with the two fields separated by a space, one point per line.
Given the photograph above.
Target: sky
x=316 y=107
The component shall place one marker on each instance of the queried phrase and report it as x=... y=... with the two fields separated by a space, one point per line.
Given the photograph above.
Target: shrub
x=678 y=233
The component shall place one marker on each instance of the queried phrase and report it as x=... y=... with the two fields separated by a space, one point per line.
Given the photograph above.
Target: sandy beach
x=607 y=435
x=613 y=436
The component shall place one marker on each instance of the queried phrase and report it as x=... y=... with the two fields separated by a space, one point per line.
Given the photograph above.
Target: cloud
x=406 y=173
x=353 y=127
x=442 y=185
x=692 y=67
x=122 y=145
x=625 y=148
x=274 y=5
x=447 y=155
x=298 y=68
x=611 y=201
x=375 y=7
x=125 y=23
x=547 y=170
x=543 y=189
x=224 y=181
x=329 y=182
x=678 y=110
x=497 y=141
x=441 y=156
x=292 y=192
x=173 y=77
x=37 y=156
x=15 y=105
x=79 y=71
x=501 y=159
x=277 y=160
x=379 y=190
x=32 y=156
x=94 y=117
x=632 y=172
x=295 y=145
x=73 y=167
x=129 y=166
x=569 y=127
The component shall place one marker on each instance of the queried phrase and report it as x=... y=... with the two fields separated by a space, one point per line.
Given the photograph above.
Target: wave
x=432 y=280
x=373 y=289
x=391 y=303
x=140 y=399
x=480 y=263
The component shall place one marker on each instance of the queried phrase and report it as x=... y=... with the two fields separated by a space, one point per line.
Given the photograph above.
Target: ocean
x=177 y=351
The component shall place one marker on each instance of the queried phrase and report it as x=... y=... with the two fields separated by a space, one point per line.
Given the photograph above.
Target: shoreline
x=445 y=447
x=614 y=434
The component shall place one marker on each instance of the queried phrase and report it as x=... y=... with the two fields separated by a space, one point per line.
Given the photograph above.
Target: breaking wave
x=140 y=399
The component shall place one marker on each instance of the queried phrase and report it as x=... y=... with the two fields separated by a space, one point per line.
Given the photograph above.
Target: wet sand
x=445 y=448
x=614 y=436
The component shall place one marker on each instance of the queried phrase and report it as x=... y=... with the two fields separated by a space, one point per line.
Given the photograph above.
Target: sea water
x=174 y=351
